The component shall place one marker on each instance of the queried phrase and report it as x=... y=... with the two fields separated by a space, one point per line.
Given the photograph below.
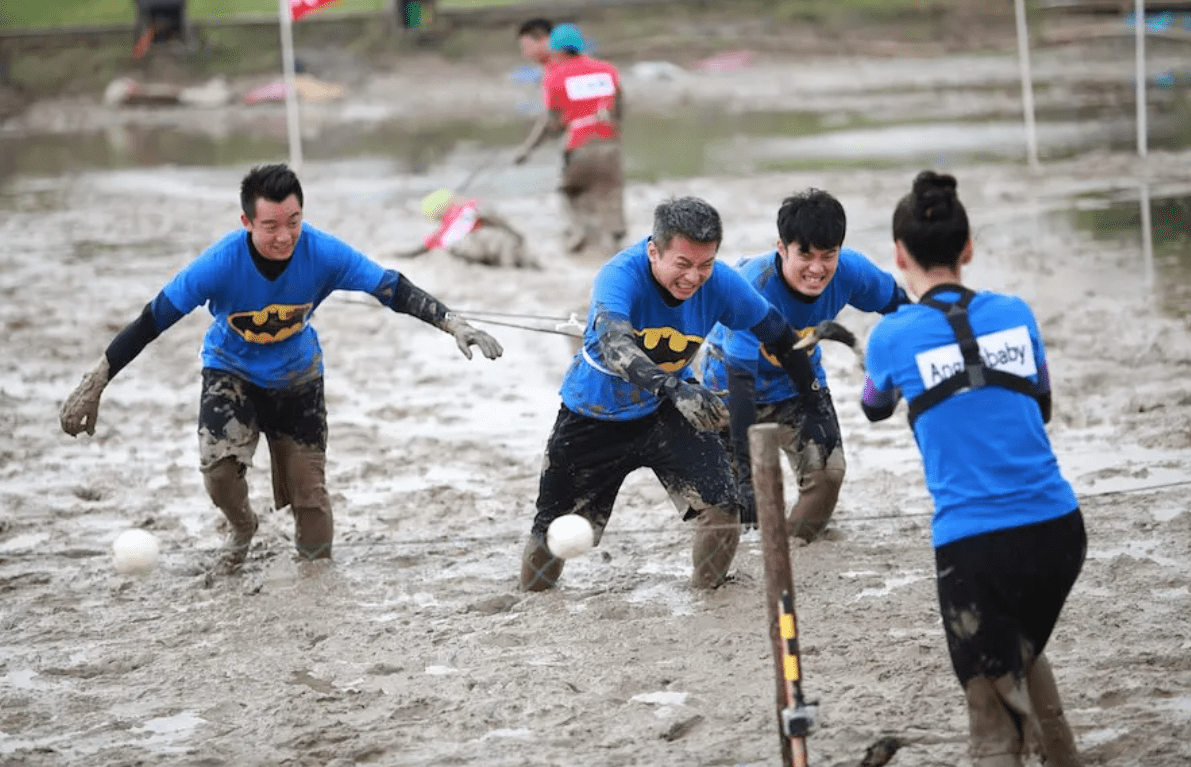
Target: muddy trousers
x=232 y=415
x=1000 y=595
x=593 y=195
x=810 y=438
x=586 y=461
x=298 y=482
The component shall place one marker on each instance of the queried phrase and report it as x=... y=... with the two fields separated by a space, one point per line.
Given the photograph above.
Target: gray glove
x=81 y=409
x=699 y=405
x=466 y=336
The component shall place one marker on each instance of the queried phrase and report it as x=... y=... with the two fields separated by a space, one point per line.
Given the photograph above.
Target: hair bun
x=934 y=195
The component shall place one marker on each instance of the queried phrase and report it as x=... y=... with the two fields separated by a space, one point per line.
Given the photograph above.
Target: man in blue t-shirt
x=627 y=402
x=809 y=278
x=262 y=363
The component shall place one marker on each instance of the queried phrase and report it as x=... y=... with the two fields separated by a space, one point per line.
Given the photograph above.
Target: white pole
x=292 y=125
x=1027 y=83
x=1139 y=29
x=1147 y=235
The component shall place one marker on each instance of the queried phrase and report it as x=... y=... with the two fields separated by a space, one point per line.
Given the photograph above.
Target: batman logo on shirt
x=276 y=322
x=772 y=360
x=669 y=348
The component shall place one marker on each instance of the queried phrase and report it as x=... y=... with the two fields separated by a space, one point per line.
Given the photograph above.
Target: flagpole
x=292 y=118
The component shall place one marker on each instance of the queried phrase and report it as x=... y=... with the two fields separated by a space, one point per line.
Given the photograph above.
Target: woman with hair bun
x=1007 y=530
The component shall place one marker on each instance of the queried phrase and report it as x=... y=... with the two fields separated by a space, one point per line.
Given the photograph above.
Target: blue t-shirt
x=262 y=329
x=857 y=282
x=987 y=458
x=669 y=335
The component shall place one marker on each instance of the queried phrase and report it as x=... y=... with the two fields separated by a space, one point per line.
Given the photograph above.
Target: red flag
x=299 y=8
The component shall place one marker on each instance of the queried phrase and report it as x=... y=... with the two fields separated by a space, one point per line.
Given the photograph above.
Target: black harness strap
x=975 y=373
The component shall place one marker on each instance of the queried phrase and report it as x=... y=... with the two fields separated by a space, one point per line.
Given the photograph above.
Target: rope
x=469 y=540
x=557 y=330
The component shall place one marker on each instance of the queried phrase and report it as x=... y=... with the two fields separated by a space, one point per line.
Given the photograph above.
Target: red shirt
x=457 y=223
x=584 y=90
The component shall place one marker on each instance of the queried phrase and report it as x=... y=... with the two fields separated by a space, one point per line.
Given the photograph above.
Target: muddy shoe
x=235 y=551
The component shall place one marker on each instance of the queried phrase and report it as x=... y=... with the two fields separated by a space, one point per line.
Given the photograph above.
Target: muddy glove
x=466 y=336
x=81 y=409
x=704 y=410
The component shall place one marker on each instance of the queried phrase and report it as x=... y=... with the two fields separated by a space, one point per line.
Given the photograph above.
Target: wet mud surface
x=415 y=646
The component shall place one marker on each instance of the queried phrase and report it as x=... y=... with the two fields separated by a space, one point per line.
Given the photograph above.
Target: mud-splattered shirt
x=857 y=282
x=986 y=454
x=669 y=335
x=262 y=329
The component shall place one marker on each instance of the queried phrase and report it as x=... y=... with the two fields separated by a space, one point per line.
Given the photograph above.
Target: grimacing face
x=276 y=227
x=808 y=272
x=683 y=266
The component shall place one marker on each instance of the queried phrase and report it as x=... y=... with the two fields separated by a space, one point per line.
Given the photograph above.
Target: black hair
x=689 y=217
x=812 y=219
x=931 y=221
x=536 y=27
x=272 y=182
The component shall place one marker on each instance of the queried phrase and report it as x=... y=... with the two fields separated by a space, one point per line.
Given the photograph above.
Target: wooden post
x=779 y=580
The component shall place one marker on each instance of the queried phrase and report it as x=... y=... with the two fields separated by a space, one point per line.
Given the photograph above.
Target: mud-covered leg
x=227 y=486
x=1058 y=742
x=540 y=569
x=995 y=732
x=811 y=441
x=299 y=481
x=717 y=534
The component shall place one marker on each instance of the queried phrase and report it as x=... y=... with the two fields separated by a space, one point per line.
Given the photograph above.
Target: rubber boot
x=299 y=481
x=228 y=488
x=995 y=738
x=540 y=569
x=1058 y=743
x=716 y=537
x=818 y=492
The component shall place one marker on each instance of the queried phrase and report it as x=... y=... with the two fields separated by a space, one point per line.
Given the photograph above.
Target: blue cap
x=567 y=36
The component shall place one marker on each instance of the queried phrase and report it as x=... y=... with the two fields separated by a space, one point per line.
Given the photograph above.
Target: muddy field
x=416 y=647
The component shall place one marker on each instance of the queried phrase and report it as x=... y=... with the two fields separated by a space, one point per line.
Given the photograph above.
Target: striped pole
x=793 y=718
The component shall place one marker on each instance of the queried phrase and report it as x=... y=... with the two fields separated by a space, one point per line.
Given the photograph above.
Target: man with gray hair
x=629 y=401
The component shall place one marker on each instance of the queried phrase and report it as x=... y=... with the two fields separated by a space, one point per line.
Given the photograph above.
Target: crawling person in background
x=627 y=402
x=809 y=278
x=1007 y=530
x=262 y=363
x=472 y=231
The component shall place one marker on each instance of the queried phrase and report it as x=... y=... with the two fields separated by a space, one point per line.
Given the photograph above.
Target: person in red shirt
x=583 y=100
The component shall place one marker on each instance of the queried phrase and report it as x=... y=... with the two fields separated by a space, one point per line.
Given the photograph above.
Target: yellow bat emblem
x=669 y=348
x=274 y=323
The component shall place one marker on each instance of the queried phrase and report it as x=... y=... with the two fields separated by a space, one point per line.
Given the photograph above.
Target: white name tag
x=460 y=227
x=1008 y=350
x=593 y=86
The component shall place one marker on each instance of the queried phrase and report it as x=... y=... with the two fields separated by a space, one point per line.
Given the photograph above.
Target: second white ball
x=135 y=552
x=569 y=536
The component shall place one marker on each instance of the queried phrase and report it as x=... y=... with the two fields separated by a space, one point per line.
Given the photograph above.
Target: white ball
x=135 y=552
x=569 y=536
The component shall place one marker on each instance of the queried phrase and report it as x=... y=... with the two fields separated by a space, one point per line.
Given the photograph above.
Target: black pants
x=587 y=460
x=1001 y=593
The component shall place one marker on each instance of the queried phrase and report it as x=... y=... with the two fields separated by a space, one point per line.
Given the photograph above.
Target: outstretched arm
x=399 y=294
x=80 y=411
x=624 y=358
x=548 y=124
